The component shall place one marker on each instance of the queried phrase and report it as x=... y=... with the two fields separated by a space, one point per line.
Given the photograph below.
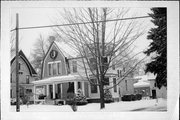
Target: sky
x=47 y=16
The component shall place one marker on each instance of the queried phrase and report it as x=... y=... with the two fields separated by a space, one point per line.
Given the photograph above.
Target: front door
x=153 y=94
x=51 y=91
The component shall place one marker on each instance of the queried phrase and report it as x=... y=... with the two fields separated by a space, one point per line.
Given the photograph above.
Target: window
x=21 y=92
x=79 y=85
x=49 y=67
x=28 y=91
x=118 y=73
x=105 y=61
x=11 y=93
x=113 y=65
x=74 y=63
x=11 y=78
x=126 y=85
x=154 y=84
x=114 y=84
x=92 y=63
x=124 y=69
x=93 y=86
x=27 y=79
x=55 y=68
x=59 y=67
x=106 y=81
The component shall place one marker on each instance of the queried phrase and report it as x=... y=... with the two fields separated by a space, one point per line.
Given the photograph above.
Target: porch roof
x=60 y=79
x=141 y=84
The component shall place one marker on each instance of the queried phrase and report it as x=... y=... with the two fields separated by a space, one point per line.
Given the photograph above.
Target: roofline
x=42 y=71
x=22 y=55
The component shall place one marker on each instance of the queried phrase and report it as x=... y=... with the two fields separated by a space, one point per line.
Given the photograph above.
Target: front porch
x=55 y=90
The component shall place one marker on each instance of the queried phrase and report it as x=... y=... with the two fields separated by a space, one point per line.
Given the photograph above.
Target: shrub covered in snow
x=108 y=96
x=80 y=98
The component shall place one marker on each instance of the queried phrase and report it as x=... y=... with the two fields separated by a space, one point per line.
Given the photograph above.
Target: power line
x=35 y=27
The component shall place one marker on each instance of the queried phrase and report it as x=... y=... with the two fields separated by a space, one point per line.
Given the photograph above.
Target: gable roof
x=53 y=43
x=23 y=57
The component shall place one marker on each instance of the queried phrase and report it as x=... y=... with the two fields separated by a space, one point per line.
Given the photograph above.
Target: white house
x=61 y=73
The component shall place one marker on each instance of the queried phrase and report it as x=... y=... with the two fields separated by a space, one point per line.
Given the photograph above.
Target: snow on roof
x=60 y=79
x=144 y=80
x=66 y=50
x=146 y=77
x=141 y=84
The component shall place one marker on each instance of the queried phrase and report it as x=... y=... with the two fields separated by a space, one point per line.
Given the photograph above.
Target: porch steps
x=49 y=102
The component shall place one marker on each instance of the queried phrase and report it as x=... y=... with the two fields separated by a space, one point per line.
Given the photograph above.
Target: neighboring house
x=147 y=87
x=61 y=73
x=27 y=75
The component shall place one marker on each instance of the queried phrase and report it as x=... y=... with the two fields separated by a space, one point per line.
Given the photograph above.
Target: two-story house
x=61 y=73
x=27 y=75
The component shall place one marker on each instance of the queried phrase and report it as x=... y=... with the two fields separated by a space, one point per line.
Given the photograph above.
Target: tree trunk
x=102 y=104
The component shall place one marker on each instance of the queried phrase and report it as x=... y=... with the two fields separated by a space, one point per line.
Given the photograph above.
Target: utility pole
x=17 y=63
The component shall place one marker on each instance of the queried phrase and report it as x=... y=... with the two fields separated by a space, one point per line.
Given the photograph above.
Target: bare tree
x=101 y=44
x=39 y=51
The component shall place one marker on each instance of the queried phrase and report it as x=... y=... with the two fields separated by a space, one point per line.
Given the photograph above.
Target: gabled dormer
x=54 y=62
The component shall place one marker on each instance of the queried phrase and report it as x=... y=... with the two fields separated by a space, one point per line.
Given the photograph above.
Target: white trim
x=48 y=54
x=75 y=87
x=60 y=79
x=54 y=62
x=61 y=90
x=54 y=91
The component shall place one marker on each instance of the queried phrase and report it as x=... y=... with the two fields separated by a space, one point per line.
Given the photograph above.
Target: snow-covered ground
x=142 y=105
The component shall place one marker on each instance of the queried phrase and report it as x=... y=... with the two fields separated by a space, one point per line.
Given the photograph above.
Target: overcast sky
x=47 y=16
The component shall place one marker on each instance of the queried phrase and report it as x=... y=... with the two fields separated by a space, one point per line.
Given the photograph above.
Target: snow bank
x=142 y=105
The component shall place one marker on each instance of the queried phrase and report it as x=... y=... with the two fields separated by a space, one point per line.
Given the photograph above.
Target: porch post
x=83 y=90
x=75 y=87
x=47 y=91
x=34 y=94
x=54 y=91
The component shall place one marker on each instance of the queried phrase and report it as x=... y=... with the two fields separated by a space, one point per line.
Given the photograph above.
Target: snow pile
x=142 y=105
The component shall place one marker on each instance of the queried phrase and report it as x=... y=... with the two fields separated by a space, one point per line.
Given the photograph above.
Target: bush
x=131 y=97
x=108 y=96
x=41 y=96
x=126 y=98
x=138 y=96
x=78 y=99
x=13 y=101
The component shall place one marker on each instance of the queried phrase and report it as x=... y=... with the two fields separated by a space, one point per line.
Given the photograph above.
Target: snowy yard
x=142 y=105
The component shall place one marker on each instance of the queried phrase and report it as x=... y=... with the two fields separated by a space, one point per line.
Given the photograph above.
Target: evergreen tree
x=158 y=35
